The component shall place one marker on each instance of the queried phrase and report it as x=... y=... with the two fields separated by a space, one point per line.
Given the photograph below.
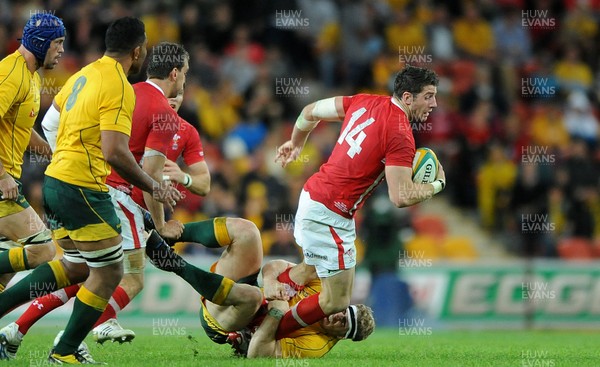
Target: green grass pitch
x=383 y=348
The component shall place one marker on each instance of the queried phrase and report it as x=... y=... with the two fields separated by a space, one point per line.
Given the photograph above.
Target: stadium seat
x=432 y=225
x=575 y=249
x=459 y=248
x=422 y=247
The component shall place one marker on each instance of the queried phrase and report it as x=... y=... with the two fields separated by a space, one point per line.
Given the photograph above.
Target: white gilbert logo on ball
x=425 y=166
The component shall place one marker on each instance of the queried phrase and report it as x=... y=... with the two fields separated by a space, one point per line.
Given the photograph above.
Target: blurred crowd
x=516 y=125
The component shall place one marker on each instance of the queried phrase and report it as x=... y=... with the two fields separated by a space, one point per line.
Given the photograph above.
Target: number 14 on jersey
x=354 y=136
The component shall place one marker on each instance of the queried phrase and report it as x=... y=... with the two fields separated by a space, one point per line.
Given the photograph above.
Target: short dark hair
x=413 y=79
x=165 y=57
x=124 y=34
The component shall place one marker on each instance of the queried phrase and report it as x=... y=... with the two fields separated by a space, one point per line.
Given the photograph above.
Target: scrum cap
x=40 y=30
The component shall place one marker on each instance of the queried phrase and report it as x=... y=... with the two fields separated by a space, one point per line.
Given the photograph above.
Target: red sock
x=43 y=305
x=308 y=312
x=117 y=302
x=285 y=279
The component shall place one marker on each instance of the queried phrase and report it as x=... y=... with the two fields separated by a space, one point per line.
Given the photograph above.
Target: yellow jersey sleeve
x=12 y=79
x=19 y=107
x=116 y=104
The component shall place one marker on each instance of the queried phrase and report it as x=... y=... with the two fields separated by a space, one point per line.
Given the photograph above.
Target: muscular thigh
x=244 y=256
x=21 y=224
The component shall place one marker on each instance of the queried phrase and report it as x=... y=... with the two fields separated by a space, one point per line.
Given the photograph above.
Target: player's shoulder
x=367 y=101
x=12 y=65
x=150 y=96
x=187 y=129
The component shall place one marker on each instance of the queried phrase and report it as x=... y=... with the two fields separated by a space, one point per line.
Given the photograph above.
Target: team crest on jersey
x=176 y=138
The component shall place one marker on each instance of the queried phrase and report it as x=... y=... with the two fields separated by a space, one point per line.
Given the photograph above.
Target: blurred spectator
x=548 y=128
x=571 y=72
x=579 y=118
x=405 y=34
x=440 y=39
x=473 y=34
x=529 y=202
x=161 y=25
x=513 y=44
x=582 y=171
x=495 y=180
x=580 y=25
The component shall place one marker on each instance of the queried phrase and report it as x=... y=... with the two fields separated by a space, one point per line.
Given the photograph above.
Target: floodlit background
x=512 y=240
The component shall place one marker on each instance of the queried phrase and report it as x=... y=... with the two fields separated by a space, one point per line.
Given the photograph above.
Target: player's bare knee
x=111 y=274
x=40 y=254
x=244 y=232
x=254 y=295
x=244 y=295
x=76 y=272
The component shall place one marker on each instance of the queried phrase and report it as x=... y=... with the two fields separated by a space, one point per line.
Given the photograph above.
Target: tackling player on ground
x=376 y=143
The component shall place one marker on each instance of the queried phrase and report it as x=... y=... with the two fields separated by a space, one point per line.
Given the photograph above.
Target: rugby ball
x=425 y=166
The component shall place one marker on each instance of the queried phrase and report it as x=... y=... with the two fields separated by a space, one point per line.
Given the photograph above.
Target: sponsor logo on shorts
x=311 y=255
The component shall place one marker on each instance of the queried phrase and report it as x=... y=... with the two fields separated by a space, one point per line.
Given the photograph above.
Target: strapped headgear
x=41 y=29
x=352 y=322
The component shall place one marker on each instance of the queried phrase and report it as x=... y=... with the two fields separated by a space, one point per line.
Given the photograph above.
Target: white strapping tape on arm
x=325 y=109
x=50 y=125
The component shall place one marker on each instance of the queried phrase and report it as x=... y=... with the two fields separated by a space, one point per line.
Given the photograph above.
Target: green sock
x=210 y=233
x=13 y=260
x=39 y=282
x=213 y=287
x=82 y=320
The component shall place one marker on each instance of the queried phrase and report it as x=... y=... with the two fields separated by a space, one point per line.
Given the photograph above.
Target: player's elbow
x=113 y=157
x=202 y=189
x=402 y=203
x=399 y=200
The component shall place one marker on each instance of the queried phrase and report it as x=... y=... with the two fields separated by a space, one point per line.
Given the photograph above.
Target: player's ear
x=173 y=74
x=136 y=52
x=407 y=98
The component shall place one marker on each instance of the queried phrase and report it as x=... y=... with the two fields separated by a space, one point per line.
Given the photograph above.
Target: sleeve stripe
x=20 y=85
x=122 y=93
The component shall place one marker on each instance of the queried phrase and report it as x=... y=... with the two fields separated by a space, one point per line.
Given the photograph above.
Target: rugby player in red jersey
x=376 y=143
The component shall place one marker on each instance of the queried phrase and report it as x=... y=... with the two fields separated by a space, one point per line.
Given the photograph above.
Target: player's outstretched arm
x=197 y=179
x=404 y=192
x=329 y=109
x=263 y=343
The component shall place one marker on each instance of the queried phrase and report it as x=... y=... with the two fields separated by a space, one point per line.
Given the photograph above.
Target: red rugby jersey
x=375 y=133
x=154 y=124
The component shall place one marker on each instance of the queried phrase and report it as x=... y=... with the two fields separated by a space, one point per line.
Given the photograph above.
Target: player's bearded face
x=423 y=103
x=54 y=53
